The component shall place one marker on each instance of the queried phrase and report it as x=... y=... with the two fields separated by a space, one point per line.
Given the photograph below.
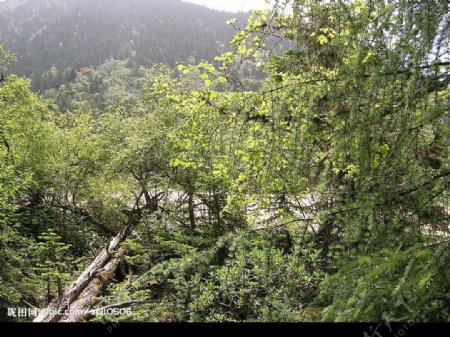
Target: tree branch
x=87 y=216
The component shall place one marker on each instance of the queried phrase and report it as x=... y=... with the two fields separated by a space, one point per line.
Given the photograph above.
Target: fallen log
x=73 y=305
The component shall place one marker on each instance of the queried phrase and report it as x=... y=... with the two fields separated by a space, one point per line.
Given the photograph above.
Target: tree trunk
x=191 y=209
x=83 y=293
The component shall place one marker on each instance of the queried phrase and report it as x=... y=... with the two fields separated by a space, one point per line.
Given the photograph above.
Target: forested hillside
x=190 y=193
x=51 y=38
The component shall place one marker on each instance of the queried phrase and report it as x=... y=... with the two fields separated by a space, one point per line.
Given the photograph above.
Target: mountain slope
x=67 y=33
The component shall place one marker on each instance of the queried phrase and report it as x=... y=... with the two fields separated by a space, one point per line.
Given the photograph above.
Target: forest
x=164 y=162
x=51 y=38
